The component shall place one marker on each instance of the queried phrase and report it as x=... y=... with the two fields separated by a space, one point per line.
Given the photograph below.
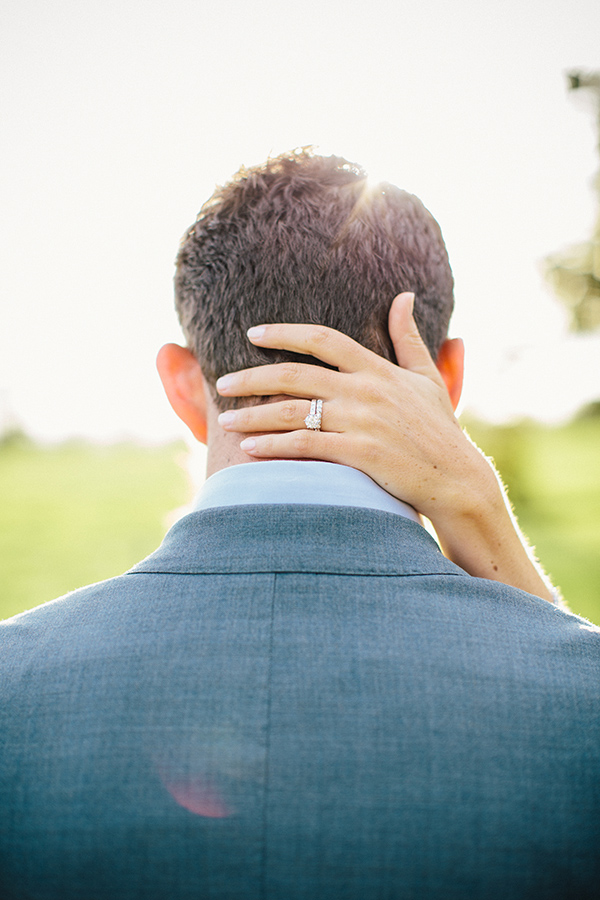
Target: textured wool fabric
x=299 y=703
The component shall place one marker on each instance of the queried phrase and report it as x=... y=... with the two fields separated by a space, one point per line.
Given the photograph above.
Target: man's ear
x=451 y=366
x=183 y=382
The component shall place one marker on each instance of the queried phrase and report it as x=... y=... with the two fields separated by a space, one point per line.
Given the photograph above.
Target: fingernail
x=226 y=418
x=224 y=382
x=248 y=444
x=412 y=300
x=256 y=332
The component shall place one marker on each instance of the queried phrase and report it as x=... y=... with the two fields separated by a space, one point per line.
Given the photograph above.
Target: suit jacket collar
x=298 y=538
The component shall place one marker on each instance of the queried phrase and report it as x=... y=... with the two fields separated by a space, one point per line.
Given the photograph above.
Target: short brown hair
x=304 y=238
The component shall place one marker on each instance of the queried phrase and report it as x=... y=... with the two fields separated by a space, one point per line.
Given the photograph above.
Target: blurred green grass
x=553 y=480
x=78 y=513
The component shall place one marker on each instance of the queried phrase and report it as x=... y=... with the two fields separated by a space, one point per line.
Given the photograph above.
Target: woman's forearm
x=480 y=534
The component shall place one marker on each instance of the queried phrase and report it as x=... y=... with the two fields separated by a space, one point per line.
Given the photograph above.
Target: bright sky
x=120 y=117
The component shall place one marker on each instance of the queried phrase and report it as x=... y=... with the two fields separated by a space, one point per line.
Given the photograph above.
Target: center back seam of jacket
x=263 y=874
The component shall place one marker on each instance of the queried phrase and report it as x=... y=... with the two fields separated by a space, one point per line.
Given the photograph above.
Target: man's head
x=305 y=238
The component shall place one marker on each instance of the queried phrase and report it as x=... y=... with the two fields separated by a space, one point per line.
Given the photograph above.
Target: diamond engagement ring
x=313 y=419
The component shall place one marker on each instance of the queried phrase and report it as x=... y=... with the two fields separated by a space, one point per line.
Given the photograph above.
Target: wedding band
x=313 y=419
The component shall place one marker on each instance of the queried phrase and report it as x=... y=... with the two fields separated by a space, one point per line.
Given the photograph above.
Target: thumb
x=411 y=352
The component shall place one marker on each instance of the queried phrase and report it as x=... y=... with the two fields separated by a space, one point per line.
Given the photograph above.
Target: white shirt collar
x=297 y=481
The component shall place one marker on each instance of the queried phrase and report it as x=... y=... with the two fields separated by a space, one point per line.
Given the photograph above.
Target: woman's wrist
x=480 y=534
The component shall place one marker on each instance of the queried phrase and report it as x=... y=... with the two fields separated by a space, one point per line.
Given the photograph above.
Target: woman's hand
x=396 y=424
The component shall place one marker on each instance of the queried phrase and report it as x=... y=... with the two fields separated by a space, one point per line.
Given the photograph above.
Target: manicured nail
x=256 y=332
x=248 y=444
x=224 y=382
x=226 y=418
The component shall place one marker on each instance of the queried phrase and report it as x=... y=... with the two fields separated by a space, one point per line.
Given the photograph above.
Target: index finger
x=327 y=344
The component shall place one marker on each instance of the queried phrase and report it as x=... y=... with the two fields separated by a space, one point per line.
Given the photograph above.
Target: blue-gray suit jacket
x=299 y=703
